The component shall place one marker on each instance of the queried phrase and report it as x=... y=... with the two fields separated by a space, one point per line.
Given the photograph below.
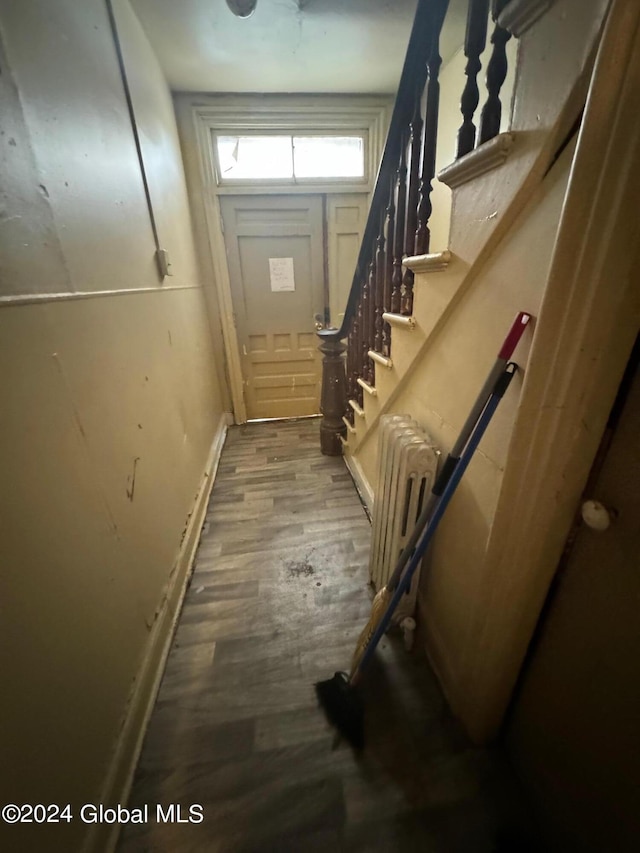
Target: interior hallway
x=277 y=599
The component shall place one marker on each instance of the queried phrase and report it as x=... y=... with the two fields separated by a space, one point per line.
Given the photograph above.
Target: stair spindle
x=474 y=43
x=415 y=147
x=388 y=270
x=434 y=61
x=378 y=285
x=398 y=241
x=351 y=349
x=371 y=322
x=364 y=334
x=496 y=73
x=356 y=347
x=379 y=288
x=357 y=355
x=406 y=302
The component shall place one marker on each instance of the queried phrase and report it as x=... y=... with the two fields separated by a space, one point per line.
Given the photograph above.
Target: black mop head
x=344 y=708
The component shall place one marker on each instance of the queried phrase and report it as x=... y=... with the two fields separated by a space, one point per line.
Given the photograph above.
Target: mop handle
x=427 y=534
x=506 y=351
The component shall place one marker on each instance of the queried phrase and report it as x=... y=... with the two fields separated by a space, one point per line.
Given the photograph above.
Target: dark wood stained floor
x=277 y=599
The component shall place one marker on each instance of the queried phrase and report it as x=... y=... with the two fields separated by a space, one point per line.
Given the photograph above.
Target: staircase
x=424 y=320
x=402 y=293
x=397 y=237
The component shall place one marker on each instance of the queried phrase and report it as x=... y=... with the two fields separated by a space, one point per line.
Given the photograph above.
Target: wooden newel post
x=333 y=399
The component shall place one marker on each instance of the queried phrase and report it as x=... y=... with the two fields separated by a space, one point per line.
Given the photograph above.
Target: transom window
x=279 y=157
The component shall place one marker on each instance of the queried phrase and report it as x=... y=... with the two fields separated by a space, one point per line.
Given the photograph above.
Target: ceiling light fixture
x=242 y=8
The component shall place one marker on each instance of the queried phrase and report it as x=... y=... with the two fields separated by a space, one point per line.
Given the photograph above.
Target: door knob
x=318 y=319
x=597 y=516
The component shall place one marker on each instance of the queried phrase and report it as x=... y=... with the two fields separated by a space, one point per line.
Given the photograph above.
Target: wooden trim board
x=103 y=837
x=363 y=487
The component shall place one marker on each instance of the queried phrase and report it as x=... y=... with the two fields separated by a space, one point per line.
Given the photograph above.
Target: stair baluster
x=496 y=73
x=378 y=284
x=357 y=373
x=364 y=335
x=379 y=287
x=415 y=146
x=355 y=355
x=434 y=61
x=398 y=240
x=388 y=268
x=474 y=43
x=406 y=305
x=369 y=374
x=350 y=370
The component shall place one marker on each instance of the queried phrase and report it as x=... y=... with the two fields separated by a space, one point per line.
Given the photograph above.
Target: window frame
x=324 y=115
x=307 y=182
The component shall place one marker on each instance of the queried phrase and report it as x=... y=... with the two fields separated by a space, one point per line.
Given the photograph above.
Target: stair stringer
x=407 y=343
x=439 y=298
x=435 y=297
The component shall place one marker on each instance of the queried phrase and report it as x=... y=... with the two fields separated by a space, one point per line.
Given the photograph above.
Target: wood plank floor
x=278 y=597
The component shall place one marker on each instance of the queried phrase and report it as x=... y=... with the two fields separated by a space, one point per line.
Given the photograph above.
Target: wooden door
x=574 y=733
x=346 y=219
x=275 y=255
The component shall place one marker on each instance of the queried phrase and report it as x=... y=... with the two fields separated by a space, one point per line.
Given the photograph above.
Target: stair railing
x=398 y=221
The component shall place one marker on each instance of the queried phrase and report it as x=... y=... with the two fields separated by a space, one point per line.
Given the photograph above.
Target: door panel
x=574 y=733
x=276 y=332
x=346 y=218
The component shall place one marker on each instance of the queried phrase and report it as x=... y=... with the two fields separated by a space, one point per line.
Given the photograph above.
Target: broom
x=383 y=596
x=339 y=696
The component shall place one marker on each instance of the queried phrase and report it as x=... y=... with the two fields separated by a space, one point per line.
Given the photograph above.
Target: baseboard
x=361 y=483
x=102 y=838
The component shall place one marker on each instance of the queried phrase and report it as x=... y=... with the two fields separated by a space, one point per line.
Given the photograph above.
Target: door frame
x=233 y=114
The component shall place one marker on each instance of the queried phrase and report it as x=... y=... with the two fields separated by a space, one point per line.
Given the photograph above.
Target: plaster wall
x=111 y=403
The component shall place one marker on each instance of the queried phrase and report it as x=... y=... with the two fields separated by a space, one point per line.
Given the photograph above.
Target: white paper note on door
x=281 y=274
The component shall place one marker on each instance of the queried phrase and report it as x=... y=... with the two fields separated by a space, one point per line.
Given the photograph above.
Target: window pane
x=328 y=156
x=255 y=157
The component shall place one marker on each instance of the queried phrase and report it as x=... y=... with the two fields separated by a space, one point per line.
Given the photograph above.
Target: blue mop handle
x=438 y=512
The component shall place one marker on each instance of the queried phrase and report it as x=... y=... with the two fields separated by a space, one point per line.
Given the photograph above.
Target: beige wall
x=440 y=392
x=110 y=401
x=478 y=618
x=512 y=280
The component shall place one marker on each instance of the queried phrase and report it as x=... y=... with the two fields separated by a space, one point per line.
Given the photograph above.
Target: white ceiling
x=285 y=46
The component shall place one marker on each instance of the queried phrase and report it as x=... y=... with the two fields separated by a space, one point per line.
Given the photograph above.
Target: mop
x=383 y=596
x=339 y=696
